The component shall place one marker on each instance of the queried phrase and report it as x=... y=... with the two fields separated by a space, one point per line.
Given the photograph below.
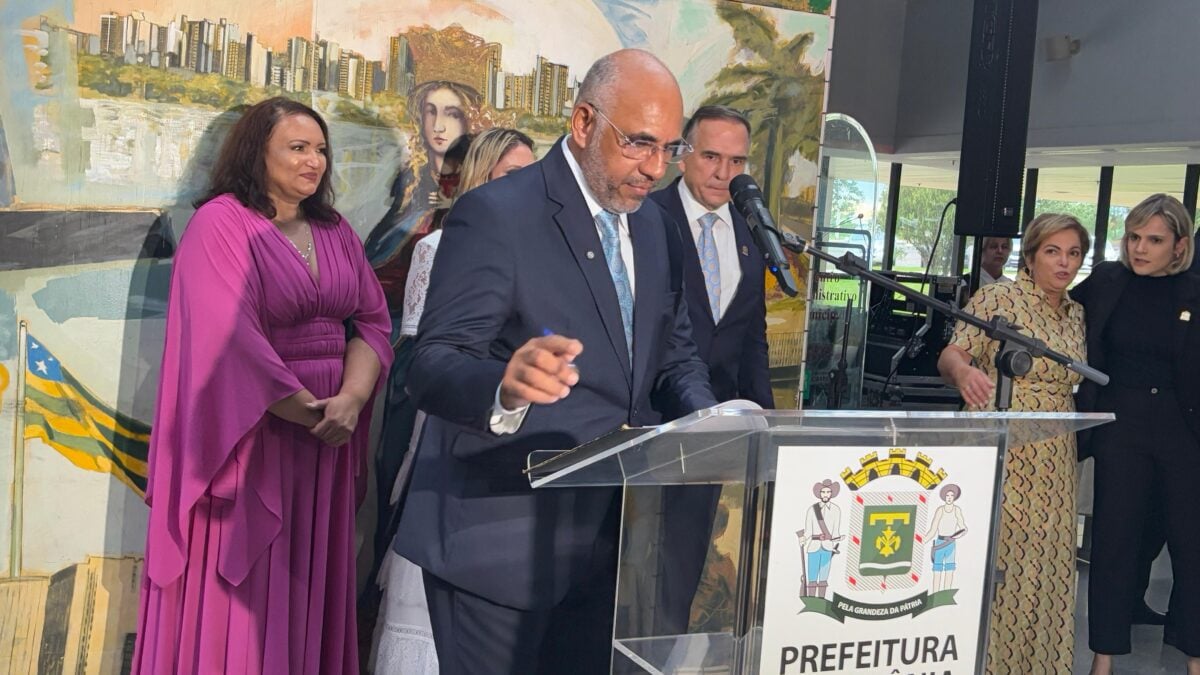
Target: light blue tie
x=710 y=265
x=611 y=240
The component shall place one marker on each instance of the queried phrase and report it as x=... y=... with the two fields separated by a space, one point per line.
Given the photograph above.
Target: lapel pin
x=1185 y=315
x=590 y=255
x=745 y=250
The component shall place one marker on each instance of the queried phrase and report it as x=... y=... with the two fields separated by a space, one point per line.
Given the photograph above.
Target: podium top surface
x=715 y=445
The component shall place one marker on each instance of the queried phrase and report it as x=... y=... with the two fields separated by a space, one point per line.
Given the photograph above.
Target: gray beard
x=592 y=164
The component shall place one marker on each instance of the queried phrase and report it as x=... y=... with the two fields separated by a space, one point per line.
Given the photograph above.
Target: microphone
x=748 y=200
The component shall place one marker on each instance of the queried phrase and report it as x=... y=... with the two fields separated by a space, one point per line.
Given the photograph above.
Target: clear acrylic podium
x=741 y=451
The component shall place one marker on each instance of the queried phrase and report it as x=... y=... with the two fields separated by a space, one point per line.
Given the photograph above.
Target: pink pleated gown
x=250 y=549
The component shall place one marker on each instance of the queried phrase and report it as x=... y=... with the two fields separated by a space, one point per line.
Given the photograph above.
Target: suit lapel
x=647 y=260
x=746 y=249
x=579 y=230
x=694 y=287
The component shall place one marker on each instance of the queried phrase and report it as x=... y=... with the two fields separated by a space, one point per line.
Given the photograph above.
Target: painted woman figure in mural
x=404 y=636
x=947 y=526
x=442 y=111
x=262 y=416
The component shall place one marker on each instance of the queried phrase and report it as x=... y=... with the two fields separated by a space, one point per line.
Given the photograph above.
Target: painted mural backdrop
x=111 y=112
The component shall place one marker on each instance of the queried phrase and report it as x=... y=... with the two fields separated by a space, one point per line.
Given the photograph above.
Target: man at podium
x=555 y=310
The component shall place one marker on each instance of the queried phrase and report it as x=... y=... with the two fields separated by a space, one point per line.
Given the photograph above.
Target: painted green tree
x=770 y=81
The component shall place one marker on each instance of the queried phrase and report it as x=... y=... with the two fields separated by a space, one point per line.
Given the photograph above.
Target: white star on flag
x=41 y=366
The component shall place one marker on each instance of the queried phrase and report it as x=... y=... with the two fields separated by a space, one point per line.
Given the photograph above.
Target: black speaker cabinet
x=999 y=79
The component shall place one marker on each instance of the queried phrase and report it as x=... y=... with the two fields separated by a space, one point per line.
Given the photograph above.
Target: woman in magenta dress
x=277 y=332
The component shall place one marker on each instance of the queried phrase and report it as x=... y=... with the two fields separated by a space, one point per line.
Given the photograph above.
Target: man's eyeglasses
x=641 y=150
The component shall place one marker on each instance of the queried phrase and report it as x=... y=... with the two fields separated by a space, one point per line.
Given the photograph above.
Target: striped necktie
x=710 y=264
x=608 y=223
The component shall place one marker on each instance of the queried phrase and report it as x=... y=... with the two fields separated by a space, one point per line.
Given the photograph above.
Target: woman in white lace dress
x=403 y=636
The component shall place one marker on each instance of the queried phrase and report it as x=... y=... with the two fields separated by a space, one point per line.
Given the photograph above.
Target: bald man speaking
x=555 y=311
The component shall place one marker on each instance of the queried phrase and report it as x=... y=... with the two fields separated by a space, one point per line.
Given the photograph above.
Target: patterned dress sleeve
x=984 y=304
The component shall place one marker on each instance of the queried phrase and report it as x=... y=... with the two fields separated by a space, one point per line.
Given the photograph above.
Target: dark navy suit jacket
x=520 y=256
x=735 y=348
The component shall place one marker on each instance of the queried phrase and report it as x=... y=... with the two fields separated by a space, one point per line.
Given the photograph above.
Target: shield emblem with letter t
x=887 y=548
x=887 y=540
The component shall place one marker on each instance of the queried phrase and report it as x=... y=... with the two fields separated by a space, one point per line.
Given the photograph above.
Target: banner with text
x=878 y=560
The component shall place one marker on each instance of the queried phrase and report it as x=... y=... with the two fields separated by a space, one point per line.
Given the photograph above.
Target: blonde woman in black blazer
x=1141 y=316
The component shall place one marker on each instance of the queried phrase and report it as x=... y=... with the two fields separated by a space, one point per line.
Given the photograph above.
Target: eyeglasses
x=641 y=150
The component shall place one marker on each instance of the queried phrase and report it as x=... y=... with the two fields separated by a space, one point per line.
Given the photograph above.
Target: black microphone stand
x=1017 y=350
x=838 y=380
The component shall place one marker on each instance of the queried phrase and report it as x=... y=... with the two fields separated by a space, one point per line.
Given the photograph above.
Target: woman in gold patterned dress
x=1032 y=615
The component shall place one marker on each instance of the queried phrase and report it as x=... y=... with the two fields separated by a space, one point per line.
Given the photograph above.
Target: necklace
x=307 y=252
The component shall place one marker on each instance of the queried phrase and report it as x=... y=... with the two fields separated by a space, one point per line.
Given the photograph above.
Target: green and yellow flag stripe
x=61 y=412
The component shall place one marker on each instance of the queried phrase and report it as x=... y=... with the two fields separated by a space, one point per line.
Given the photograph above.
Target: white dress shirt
x=985 y=278
x=504 y=421
x=595 y=208
x=723 y=236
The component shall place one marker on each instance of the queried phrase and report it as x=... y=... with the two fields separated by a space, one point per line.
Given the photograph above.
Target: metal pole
x=17 y=506
x=1103 y=206
x=959 y=259
x=893 y=206
x=1031 y=185
x=976 y=264
x=1191 y=181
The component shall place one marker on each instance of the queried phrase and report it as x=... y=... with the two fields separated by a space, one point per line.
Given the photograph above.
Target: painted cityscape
x=129 y=55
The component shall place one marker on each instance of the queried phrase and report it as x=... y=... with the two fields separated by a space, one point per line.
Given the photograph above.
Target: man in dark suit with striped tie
x=723 y=269
x=724 y=276
x=555 y=312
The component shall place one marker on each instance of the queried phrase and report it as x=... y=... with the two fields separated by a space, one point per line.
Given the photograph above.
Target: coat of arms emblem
x=898 y=541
